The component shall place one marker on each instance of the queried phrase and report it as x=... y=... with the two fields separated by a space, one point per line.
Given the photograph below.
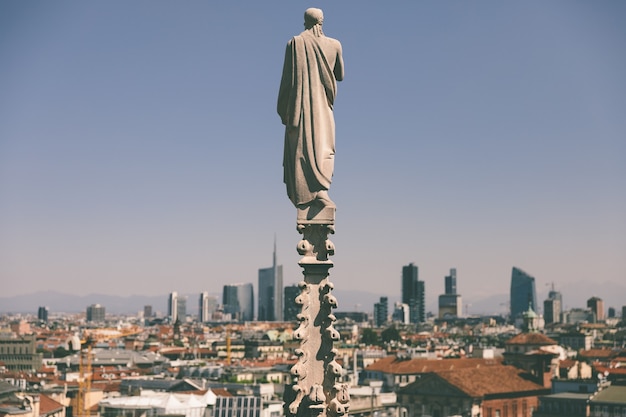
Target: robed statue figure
x=313 y=65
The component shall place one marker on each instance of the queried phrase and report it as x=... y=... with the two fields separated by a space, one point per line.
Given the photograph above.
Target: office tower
x=401 y=313
x=381 y=310
x=95 y=313
x=271 y=292
x=451 y=282
x=612 y=312
x=596 y=305
x=553 y=307
x=203 y=307
x=450 y=304
x=172 y=307
x=523 y=294
x=238 y=301
x=206 y=307
x=413 y=293
x=181 y=308
x=147 y=311
x=292 y=309
x=42 y=314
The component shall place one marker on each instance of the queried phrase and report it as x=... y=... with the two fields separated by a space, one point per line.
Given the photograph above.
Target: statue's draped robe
x=305 y=105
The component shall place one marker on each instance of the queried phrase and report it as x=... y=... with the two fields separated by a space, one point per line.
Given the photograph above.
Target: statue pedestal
x=315 y=391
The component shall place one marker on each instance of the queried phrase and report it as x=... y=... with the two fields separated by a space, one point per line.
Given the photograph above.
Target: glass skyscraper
x=413 y=293
x=523 y=294
x=238 y=300
x=271 y=292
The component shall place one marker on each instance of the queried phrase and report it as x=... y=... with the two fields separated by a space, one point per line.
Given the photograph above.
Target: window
x=498 y=413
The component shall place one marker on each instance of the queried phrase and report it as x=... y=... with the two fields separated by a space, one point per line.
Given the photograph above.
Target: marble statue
x=313 y=65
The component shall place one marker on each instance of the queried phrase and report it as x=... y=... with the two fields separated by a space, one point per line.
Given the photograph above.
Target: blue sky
x=141 y=152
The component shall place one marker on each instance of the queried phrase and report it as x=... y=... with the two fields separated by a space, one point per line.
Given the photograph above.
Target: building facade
x=523 y=293
x=596 y=305
x=553 y=307
x=95 y=313
x=450 y=304
x=20 y=353
x=292 y=309
x=42 y=314
x=238 y=301
x=381 y=312
x=206 y=307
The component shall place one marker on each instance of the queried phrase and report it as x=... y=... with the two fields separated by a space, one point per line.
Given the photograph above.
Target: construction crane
x=90 y=338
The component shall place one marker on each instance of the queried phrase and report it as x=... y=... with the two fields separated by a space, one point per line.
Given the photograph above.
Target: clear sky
x=141 y=152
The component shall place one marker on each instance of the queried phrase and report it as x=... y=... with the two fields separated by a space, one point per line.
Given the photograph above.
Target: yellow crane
x=90 y=338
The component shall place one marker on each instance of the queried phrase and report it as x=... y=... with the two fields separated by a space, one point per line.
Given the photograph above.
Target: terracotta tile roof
x=393 y=365
x=567 y=363
x=48 y=406
x=531 y=339
x=598 y=353
x=221 y=392
x=489 y=380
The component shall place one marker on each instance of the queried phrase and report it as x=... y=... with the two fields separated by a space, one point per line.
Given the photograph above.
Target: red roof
x=531 y=339
x=393 y=365
x=48 y=406
x=493 y=380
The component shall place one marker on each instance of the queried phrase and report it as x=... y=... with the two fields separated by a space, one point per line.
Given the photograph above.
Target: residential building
x=413 y=293
x=596 y=305
x=576 y=340
x=523 y=294
x=610 y=401
x=271 y=292
x=292 y=309
x=238 y=301
x=486 y=392
x=147 y=311
x=381 y=311
x=20 y=353
x=95 y=313
x=396 y=372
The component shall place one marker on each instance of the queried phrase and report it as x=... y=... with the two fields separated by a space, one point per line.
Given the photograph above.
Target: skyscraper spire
x=274 y=256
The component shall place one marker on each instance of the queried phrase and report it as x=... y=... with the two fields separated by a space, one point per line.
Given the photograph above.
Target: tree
x=390 y=334
x=369 y=336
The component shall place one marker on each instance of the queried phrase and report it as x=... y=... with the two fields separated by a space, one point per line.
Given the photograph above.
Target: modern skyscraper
x=451 y=282
x=42 y=314
x=381 y=312
x=238 y=301
x=147 y=311
x=95 y=313
x=177 y=307
x=203 y=307
x=523 y=294
x=413 y=293
x=291 y=308
x=450 y=304
x=271 y=292
x=596 y=305
x=553 y=307
x=207 y=305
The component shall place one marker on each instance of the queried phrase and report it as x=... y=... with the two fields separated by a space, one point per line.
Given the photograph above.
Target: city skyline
x=136 y=138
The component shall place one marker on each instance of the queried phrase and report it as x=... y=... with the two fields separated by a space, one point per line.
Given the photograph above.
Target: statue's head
x=313 y=17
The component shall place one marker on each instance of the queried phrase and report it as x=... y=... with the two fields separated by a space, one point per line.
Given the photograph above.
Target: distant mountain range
x=574 y=295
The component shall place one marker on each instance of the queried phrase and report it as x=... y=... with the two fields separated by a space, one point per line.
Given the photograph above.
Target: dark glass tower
x=413 y=293
x=271 y=292
x=523 y=294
